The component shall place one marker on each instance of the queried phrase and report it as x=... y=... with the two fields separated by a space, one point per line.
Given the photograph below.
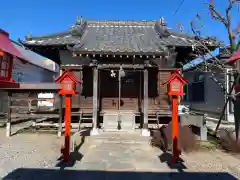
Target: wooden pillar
x=145 y=131
x=60 y=100
x=8 y=124
x=95 y=101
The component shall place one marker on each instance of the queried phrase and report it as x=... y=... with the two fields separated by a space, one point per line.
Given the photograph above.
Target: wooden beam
x=60 y=98
x=24 y=115
x=72 y=67
x=35 y=87
x=124 y=66
x=105 y=53
x=105 y=66
x=8 y=125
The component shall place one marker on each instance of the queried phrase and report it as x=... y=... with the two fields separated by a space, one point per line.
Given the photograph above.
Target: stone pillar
x=95 y=102
x=145 y=131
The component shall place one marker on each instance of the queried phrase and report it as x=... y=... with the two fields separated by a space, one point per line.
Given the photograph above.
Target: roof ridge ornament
x=28 y=36
x=79 y=20
x=161 y=28
x=162 y=22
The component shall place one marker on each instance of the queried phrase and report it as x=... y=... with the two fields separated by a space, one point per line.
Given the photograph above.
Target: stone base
x=59 y=133
x=94 y=132
x=8 y=129
x=145 y=132
x=203 y=134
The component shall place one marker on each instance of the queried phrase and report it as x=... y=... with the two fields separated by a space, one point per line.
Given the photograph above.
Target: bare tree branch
x=225 y=20
x=201 y=45
x=215 y=13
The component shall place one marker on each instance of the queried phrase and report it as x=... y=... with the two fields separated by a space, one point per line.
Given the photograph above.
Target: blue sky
x=49 y=16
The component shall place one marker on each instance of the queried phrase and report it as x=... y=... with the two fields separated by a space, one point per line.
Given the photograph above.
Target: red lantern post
x=175 y=83
x=68 y=88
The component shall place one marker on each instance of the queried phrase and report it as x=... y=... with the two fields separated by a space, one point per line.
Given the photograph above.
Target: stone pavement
x=114 y=151
x=110 y=156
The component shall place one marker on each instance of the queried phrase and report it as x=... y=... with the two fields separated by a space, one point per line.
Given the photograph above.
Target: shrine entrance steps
x=115 y=121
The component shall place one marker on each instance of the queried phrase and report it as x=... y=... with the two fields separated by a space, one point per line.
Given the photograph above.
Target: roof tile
x=120 y=39
x=116 y=36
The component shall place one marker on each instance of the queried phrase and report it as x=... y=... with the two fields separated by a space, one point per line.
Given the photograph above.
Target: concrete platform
x=110 y=156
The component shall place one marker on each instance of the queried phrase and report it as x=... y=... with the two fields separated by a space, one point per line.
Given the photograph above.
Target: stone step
x=121 y=137
x=114 y=121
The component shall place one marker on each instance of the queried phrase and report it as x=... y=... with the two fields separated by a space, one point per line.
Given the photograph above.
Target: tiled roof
x=116 y=36
x=54 y=39
x=120 y=38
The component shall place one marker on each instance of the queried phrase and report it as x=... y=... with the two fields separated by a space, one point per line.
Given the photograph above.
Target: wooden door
x=130 y=91
x=108 y=92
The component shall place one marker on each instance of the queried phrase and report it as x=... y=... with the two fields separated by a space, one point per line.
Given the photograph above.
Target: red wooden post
x=68 y=84
x=67 y=127
x=176 y=152
x=175 y=83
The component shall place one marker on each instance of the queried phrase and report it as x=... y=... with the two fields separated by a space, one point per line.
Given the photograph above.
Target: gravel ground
x=27 y=151
x=110 y=156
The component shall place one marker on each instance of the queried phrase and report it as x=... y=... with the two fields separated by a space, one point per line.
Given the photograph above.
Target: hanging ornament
x=79 y=20
x=113 y=74
x=193 y=47
x=121 y=72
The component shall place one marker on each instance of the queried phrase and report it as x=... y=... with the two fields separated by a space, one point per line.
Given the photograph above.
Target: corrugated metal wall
x=214 y=97
x=27 y=73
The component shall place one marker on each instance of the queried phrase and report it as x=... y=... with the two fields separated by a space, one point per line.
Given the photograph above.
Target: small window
x=67 y=85
x=4 y=66
x=176 y=85
x=198 y=92
x=199 y=77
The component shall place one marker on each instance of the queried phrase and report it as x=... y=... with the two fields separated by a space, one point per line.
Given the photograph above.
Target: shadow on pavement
x=75 y=155
x=167 y=158
x=53 y=174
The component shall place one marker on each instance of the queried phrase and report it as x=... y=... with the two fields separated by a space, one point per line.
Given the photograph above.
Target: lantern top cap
x=176 y=75
x=67 y=74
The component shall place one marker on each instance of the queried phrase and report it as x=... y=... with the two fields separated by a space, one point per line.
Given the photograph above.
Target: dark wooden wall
x=159 y=101
x=84 y=99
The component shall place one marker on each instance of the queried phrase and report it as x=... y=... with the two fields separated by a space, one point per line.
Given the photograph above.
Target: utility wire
x=179 y=6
